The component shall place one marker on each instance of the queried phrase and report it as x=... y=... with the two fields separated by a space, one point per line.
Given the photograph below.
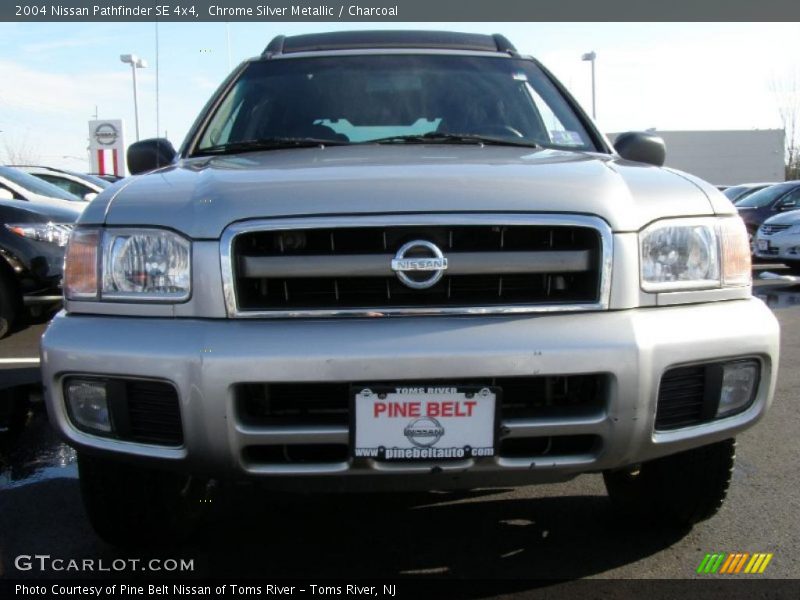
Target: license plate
x=423 y=423
x=763 y=245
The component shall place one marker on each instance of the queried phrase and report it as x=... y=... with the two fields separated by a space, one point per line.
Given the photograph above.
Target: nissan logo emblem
x=424 y=432
x=408 y=260
x=105 y=134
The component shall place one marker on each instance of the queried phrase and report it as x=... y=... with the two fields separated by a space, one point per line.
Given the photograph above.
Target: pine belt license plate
x=423 y=423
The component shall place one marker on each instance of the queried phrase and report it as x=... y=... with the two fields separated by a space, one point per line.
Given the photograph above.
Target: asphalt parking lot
x=554 y=531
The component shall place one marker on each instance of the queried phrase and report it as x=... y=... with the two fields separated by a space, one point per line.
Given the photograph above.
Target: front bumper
x=206 y=359
x=781 y=246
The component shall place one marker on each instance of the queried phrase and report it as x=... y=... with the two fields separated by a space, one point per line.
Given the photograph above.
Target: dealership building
x=726 y=157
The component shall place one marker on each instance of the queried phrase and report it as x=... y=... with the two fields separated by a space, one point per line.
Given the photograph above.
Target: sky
x=54 y=77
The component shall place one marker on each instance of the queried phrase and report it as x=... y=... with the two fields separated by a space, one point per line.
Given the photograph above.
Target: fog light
x=739 y=383
x=87 y=403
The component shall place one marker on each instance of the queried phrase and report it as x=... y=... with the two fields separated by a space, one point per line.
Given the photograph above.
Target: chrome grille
x=773 y=229
x=343 y=266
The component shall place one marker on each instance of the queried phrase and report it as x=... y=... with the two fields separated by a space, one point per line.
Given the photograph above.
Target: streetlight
x=136 y=63
x=591 y=56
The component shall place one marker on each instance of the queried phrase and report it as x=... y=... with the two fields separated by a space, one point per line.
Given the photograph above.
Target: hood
x=57 y=203
x=791 y=217
x=202 y=196
x=44 y=212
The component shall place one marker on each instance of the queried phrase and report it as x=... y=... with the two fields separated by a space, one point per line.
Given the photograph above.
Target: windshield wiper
x=274 y=143
x=436 y=137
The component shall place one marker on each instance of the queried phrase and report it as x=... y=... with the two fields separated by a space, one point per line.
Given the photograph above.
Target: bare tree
x=787 y=94
x=19 y=151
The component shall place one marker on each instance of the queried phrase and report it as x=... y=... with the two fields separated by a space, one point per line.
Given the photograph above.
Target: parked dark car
x=32 y=241
x=761 y=205
x=737 y=193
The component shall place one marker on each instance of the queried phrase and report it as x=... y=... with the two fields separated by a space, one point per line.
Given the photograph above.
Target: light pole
x=136 y=63
x=591 y=56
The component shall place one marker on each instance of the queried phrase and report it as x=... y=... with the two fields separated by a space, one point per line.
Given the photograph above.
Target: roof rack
x=356 y=40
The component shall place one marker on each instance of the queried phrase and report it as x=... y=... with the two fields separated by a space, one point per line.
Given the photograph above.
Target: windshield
x=36 y=185
x=362 y=98
x=734 y=192
x=98 y=181
x=738 y=193
x=766 y=196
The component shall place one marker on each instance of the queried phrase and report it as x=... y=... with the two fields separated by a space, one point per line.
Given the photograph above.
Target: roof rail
x=354 y=40
x=275 y=46
x=504 y=45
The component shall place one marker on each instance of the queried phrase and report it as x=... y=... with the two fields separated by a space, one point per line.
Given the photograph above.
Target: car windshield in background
x=98 y=181
x=399 y=98
x=36 y=185
x=732 y=193
x=738 y=193
x=766 y=196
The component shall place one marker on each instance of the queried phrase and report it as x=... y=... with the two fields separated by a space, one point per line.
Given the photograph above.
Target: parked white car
x=83 y=185
x=16 y=185
x=778 y=239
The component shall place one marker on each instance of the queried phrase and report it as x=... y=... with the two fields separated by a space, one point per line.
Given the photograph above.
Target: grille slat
x=272 y=404
x=153 y=413
x=773 y=228
x=681 y=397
x=349 y=268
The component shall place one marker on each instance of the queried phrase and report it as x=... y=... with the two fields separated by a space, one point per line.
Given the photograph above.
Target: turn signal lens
x=736 y=262
x=80 y=265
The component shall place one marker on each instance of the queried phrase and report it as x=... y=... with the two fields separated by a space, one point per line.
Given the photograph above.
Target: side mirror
x=641 y=147
x=151 y=154
x=5 y=194
x=89 y=196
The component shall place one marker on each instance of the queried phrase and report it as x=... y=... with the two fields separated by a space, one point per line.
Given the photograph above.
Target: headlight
x=147 y=265
x=794 y=228
x=52 y=233
x=686 y=254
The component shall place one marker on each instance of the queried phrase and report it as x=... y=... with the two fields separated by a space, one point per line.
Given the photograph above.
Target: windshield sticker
x=519 y=77
x=566 y=138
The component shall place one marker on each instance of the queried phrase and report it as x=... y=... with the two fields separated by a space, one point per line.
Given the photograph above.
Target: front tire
x=794 y=266
x=133 y=506
x=14 y=405
x=10 y=302
x=675 y=491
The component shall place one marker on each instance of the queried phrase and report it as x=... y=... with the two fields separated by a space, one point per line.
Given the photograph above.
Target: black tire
x=794 y=267
x=131 y=506
x=10 y=301
x=14 y=407
x=675 y=491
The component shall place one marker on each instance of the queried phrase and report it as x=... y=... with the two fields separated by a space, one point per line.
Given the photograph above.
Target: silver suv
x=403 y=260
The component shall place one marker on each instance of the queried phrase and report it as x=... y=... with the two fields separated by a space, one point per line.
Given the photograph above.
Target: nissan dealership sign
x=107 y=146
